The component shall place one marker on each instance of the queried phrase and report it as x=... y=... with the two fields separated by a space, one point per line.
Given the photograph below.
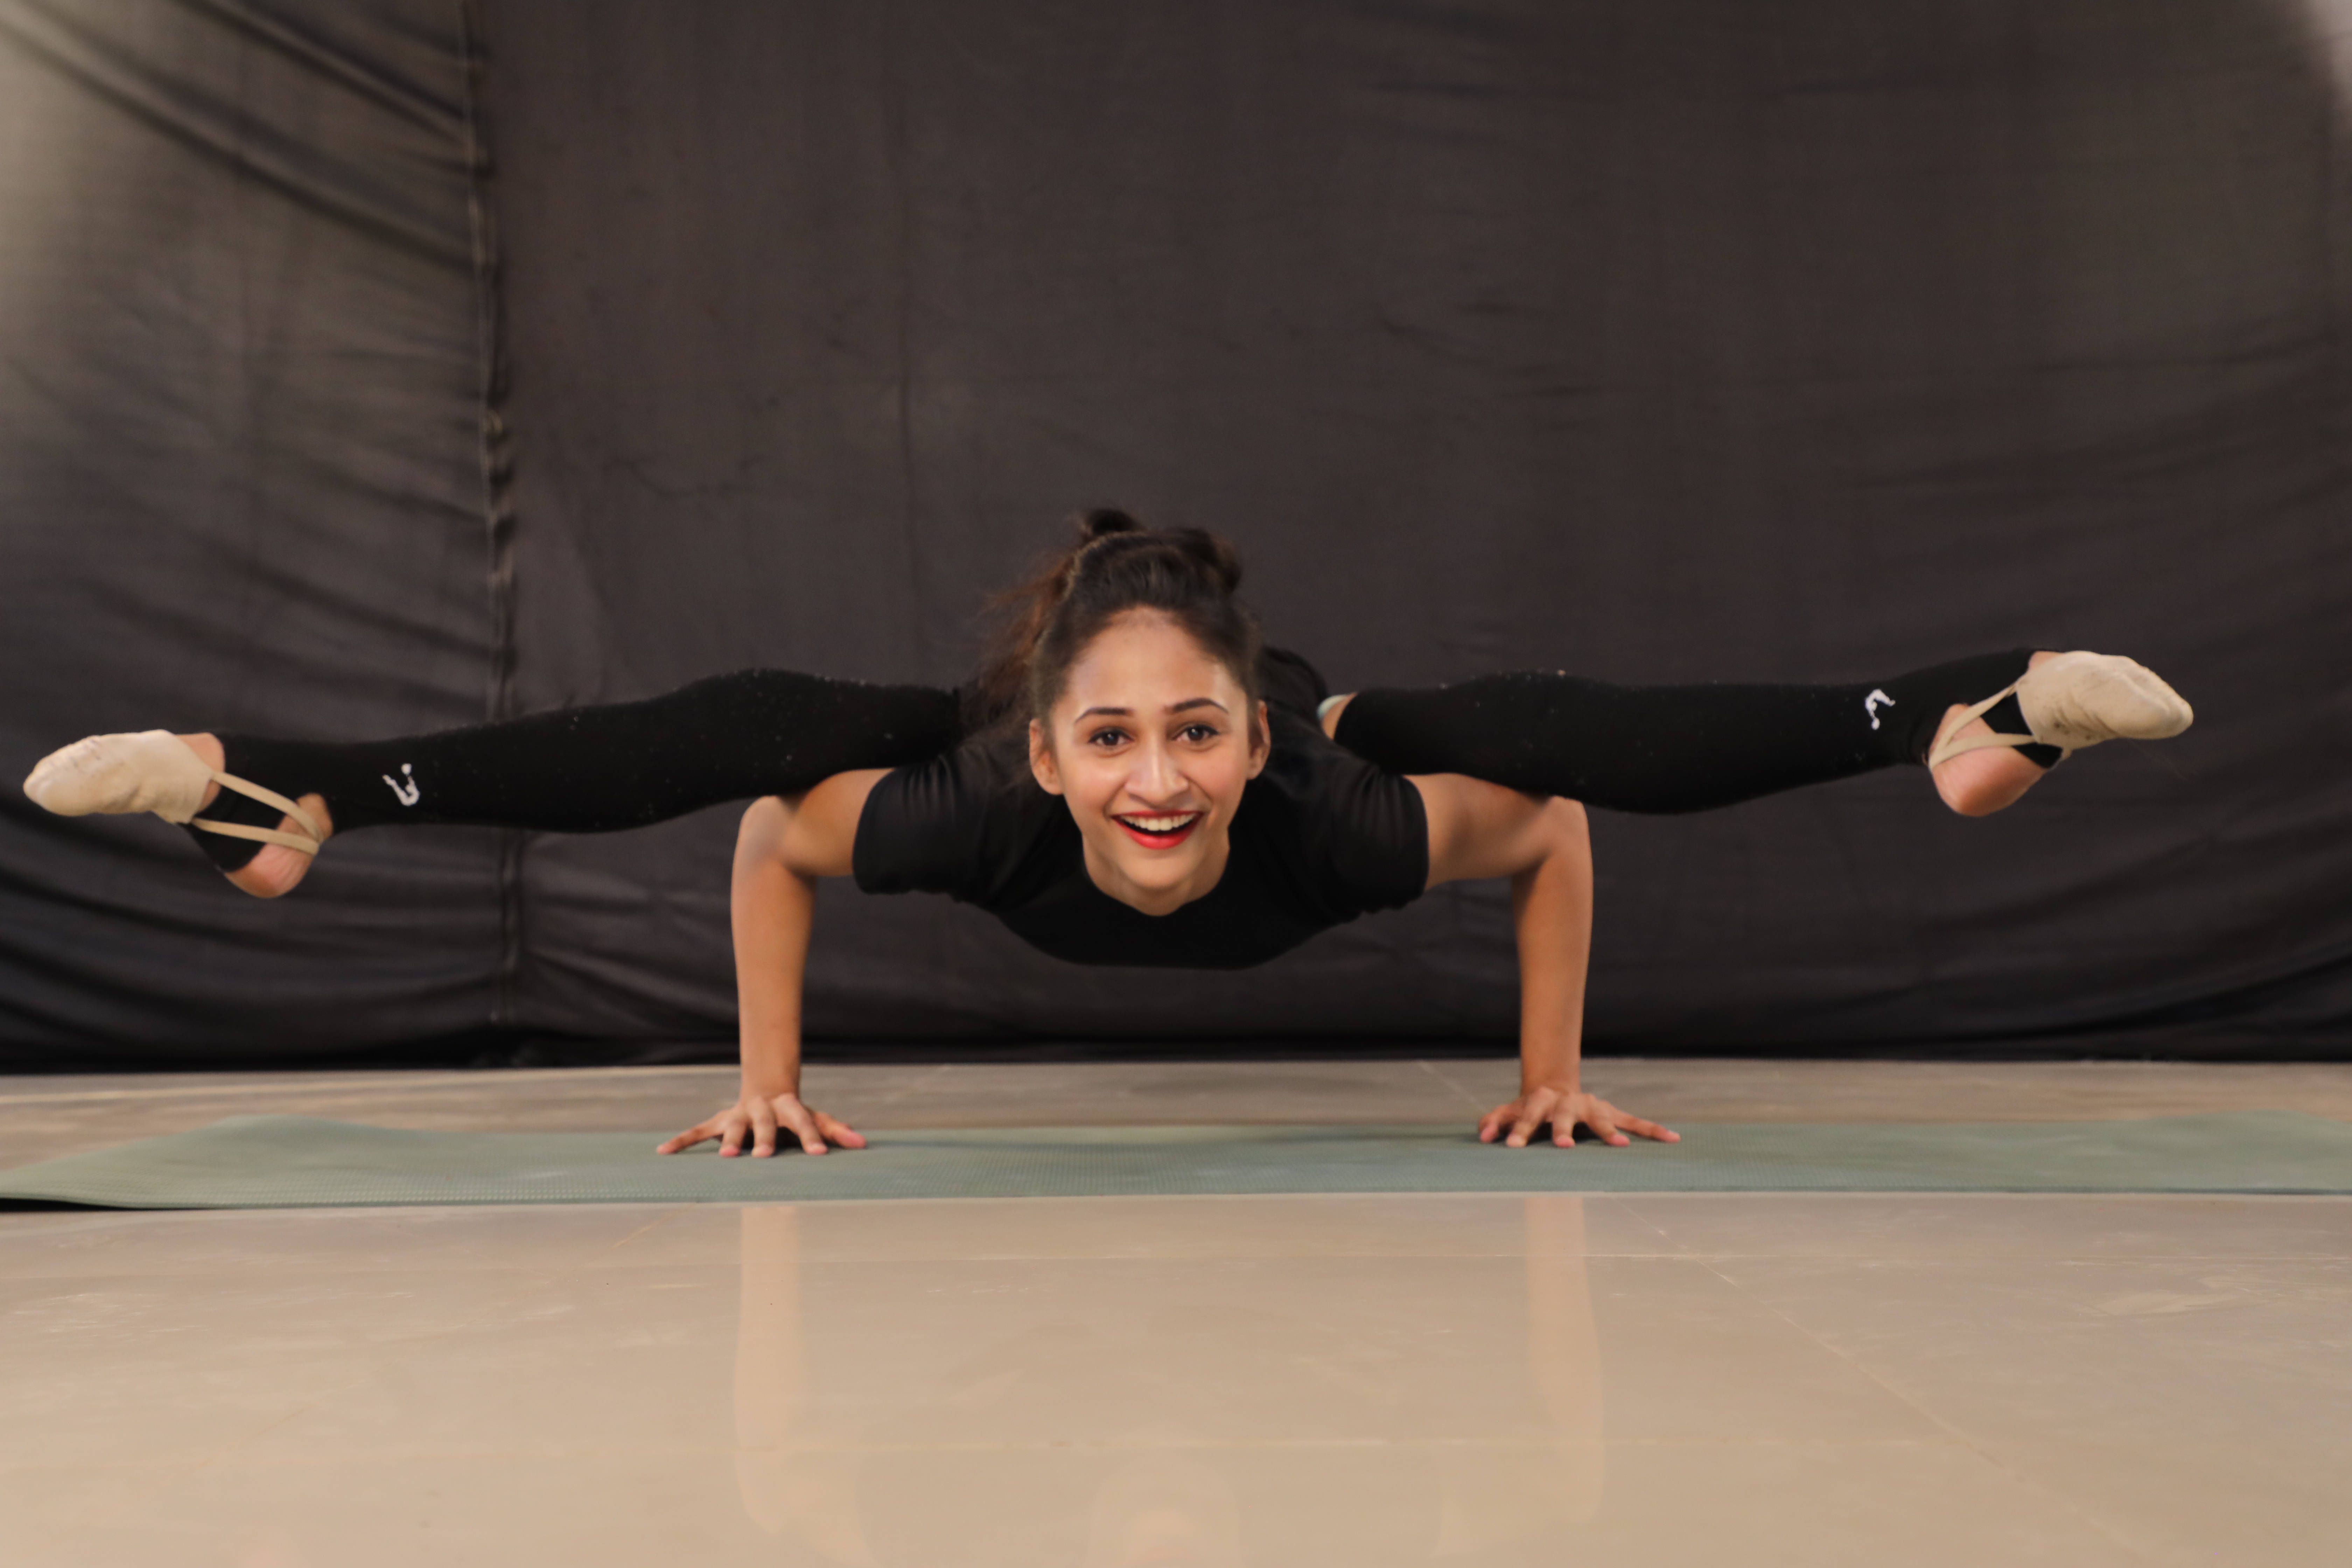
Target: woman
x=1134 y=779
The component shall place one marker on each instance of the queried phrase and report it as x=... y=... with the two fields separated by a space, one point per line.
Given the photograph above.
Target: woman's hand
x=785 y=846
x=1563 y=1109
x=761 y=1115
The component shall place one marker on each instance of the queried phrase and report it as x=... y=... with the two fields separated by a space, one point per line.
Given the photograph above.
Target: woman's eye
x=1105 y=737
x=1199 y=734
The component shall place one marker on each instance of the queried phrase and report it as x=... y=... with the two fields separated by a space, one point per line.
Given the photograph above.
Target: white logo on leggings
x=405 y=786
x=1870 y=704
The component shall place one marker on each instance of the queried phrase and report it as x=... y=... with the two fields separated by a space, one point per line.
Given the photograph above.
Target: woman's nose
x=1155 y=776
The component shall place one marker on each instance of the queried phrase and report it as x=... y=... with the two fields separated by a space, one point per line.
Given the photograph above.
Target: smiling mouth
x=1160 y=832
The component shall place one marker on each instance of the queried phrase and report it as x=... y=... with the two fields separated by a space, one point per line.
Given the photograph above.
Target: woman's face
x=1150 y=743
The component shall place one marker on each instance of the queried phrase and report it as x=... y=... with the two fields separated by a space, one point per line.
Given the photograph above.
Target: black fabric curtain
x=1713 y=339
x=241 y=486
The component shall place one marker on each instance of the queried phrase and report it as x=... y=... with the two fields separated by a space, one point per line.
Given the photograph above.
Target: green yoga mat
x=296 y=1162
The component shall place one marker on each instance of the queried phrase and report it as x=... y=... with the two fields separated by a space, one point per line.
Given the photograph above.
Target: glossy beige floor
x=1451 y=1380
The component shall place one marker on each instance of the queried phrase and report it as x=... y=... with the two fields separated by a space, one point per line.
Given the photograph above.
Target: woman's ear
x=1261 y=742
x=1041 y=766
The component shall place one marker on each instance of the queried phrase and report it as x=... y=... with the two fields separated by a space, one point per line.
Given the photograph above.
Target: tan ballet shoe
x=2078 y=700
x=153 y=771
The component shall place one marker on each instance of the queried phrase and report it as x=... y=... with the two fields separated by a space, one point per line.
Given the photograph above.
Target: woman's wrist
x=771 y=1073
x=1545 y=1070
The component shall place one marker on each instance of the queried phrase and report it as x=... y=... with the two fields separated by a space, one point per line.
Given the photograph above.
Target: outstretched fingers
x=1601 y=1119
x=763 y=1128
x=1650 y=1129
x=836 y=1130
x=700 y=1133
x=1535 y=1109
x=1563 y=1111
x=761 y=1121
x=1609 y=1125
x=804 y=1124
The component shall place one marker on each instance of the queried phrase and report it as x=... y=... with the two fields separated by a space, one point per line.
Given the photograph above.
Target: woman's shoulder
x=971 y=823
x=1353 y=833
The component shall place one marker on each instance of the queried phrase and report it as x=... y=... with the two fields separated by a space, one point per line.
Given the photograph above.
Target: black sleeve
x=1375 y=845
x=969 y=823
x=1361 y=834
x=919 y=833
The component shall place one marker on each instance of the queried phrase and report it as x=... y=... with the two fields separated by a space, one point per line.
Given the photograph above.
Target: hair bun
x=1212 y=552
x=1116 y=565
x=1101 y=523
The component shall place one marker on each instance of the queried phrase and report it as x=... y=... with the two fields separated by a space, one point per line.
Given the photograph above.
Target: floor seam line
x=1951 y=1428
x=1465 y=1095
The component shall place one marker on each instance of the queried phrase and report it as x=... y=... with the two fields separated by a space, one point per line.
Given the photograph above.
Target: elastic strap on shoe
x=308 y=846
x=258 y=835
x=1954 y=744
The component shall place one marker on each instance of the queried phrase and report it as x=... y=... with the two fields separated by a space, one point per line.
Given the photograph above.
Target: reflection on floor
x=1124 y=1418
x=1428 y=1379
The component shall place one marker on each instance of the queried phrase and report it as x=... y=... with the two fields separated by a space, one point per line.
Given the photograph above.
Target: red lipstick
x=1160 y=837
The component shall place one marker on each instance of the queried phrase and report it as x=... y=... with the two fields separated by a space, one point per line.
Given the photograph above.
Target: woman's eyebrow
x=1190 y=702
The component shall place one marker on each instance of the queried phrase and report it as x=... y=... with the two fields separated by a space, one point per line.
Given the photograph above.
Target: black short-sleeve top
x=1320 y=837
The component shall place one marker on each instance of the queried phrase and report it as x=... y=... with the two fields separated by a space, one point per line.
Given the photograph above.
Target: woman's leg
x=1694 y=748
x=580 y=770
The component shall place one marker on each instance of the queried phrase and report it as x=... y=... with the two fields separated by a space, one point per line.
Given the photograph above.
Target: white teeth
x=1159 y=824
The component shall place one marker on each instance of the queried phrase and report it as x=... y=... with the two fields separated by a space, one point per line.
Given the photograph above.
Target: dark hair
x=1188 y=574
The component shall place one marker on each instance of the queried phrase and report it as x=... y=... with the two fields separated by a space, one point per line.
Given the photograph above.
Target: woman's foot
x=2069 y=700
x=173 y=776
x=1989 y=779
x=276 y=869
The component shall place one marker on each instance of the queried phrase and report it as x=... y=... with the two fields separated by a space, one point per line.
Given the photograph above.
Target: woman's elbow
x=766 y=822
x=1564 y=832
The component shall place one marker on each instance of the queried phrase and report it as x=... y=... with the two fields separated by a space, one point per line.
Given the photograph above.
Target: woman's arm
x=1541 y=844
x=785 y=843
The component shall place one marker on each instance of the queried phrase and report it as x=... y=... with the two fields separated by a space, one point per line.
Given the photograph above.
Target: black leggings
x=599 y=770
x=769 y=731
x=1671 y=748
